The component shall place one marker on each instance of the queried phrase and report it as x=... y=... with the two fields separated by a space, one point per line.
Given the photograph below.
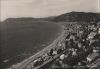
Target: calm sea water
x=23 y=39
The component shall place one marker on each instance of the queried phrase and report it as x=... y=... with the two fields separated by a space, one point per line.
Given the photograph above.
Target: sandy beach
x=23 y=64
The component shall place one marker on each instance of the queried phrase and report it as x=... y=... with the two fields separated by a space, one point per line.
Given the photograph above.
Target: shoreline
x=25 y=62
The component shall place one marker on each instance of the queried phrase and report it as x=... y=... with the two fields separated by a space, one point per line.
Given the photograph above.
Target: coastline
x=27 y=61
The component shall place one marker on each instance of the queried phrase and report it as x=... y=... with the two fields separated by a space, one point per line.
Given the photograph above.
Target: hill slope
x=78 y=17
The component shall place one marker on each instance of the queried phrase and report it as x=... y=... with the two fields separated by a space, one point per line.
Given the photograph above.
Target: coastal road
x=27 y=62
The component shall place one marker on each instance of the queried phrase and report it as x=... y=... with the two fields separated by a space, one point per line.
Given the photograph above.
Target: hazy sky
x=45 y=8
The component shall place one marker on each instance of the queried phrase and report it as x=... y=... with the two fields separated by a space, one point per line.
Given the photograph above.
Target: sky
x=45 y=8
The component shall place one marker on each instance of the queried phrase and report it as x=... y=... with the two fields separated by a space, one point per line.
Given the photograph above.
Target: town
x=79 y=49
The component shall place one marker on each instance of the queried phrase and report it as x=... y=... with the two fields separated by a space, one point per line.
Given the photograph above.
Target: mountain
x=78 y=17
x=19 y=19
x=86 y=17
x=28 y=19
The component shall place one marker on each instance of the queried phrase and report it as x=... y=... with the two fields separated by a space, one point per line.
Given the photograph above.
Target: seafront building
x=80 y=49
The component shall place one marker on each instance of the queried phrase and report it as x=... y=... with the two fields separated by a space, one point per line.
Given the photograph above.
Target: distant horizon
x=48 y=16
x=45 y=8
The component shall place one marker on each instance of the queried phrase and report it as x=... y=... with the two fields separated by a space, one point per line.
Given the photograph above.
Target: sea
x=20 y=40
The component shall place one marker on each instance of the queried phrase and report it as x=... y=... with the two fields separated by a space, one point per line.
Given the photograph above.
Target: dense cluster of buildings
x=80 y=49
x=83 y=49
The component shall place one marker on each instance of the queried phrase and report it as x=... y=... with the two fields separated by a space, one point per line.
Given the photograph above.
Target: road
x=28 y=61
